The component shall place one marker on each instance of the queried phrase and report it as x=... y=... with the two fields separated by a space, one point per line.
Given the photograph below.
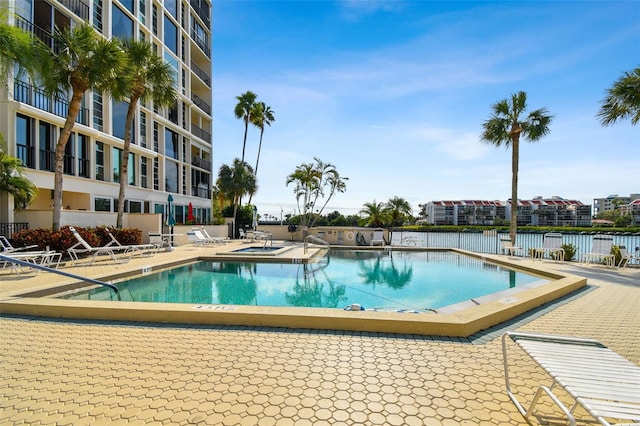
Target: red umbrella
x=190 y=213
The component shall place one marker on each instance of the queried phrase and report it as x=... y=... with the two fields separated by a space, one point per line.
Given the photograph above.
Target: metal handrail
x=55 y=271
x=316 y=240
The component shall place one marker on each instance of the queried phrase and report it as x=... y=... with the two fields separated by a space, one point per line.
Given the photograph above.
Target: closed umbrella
x=171 y=217
x=190 y=213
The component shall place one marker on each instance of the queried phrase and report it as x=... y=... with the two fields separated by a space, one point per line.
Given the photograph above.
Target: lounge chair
x=196 y=237
x=625 y=256
x=8 y=248
x=216 y=240
x=506 y=247
x=378 y=238
x=50 y=258
x=604 y=383
x=552 y=245
x=600 y=250
x=83 y=247
x=145 y=250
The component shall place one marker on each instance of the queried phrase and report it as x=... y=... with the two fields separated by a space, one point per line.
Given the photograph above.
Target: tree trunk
x=515 y=154
x=244 y=143
x=257 y=161
x=124 y=161
x=74 y=108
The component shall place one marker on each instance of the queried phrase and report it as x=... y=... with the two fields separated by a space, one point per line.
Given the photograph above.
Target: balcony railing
x=36 y=97
x=201 y=103
x=200 y=133
x=45 y=36
x=78 y=7
x=200 y=162
x=203 y=44
x=201 y=74
x=197 y=191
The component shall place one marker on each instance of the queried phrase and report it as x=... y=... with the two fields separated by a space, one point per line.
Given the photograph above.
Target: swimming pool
x=404 y=281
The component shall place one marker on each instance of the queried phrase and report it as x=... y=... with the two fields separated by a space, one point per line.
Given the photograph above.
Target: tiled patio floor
x=77 y=372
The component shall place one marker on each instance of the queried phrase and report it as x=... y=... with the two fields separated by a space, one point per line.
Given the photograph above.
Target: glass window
x=171 y=60
x=142 y=11
x=122 y=25
x=128 y=4
x=47 y=152
x=171 y=144
x=102 y=204
x=119 y=119
x=171 y=7
x=170 y=176
x=97 y=111
x=97 y=14
x=131 y=169
x=143 y=172
x=83 y=155
x=24 y=140
x=69 y=155
x=116 y=155
x=99 y=161
x=170 y=35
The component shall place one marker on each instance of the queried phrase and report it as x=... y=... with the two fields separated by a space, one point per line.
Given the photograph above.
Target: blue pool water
x=398 y=280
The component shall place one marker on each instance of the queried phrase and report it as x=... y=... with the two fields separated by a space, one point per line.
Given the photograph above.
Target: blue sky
x=394 y=94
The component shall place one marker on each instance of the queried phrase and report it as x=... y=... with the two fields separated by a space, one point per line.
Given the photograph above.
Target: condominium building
x=612 y=202
x=171 y=147
x=553 y=211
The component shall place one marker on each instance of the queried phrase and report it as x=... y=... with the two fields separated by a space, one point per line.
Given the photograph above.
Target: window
x=122 y=25
x=98 y=121
x=119 y=119
x=116 y=155
x=99 y=161
x=171 y=7
x=170 y=35
x=83 y=156
x=128 y=4
x=24 y=140
x=170 y=176
x=154 y=19
x=102 y=204
x=131 y=169
x=135 y=207
x=143 y=172
x=171 y=144
x=47 y=144
x=171 y=60
x=97 y=14
x=142 y=11
x=143 y=129
x=69 y=155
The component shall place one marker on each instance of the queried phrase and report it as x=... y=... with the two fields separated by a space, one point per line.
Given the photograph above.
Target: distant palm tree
x=12 y=179
x=505 y=126
x=234 y=182
x=262 y=114
x=375 y=214
x=83 y=61
x=623 y=100
x=147 y=77
x=397 y=208
x=242 y=111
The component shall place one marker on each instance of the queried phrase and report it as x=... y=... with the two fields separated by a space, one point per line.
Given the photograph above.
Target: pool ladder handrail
x=315 y=240
x=56 y=271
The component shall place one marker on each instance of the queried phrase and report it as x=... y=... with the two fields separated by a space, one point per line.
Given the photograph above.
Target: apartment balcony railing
x=202 y=43
x=78 y=7
x=202 y=12
x=200 y=133
x=200 y=162
x=201 y=103
x=26 y=153
x=45 y=36
x=201 y=74
x=36 y=97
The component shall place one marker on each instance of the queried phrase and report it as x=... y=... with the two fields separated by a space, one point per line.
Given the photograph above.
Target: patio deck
x=55 y=371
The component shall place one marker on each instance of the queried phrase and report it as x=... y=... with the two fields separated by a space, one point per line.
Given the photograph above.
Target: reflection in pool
x=386 y=280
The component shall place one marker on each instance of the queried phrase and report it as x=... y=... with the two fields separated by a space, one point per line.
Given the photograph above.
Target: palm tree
x=505 y=126
x=17 y=47
x=375 y=214
x=262 y=114
x=397 y=208
x=242 y=111
x=148 y=77
x=315 y=181
x=234 y=182
x=12 y=179
x=83 y=61
x=623 y=100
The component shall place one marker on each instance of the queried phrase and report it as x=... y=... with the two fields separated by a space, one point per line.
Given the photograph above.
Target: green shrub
x=569 y=252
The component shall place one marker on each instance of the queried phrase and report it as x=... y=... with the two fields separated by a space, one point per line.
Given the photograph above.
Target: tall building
x=612 y=202
x=171 y=148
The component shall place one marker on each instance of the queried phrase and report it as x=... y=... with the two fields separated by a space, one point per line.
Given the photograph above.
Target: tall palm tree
x=623 y=100
x=397 y=208
x=262 y=114
x=12 y=179
x=147 y=77
x=83 y=61
x=243 y=110
x=236 y=181
x=375 y=214
x=505 y=126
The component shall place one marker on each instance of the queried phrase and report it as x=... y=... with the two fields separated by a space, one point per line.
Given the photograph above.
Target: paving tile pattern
x=76 y=372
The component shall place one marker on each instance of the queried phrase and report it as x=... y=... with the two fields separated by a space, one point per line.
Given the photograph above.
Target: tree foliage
x=622 y=100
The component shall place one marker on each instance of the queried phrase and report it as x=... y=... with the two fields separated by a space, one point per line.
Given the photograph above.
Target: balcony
x=200 y=192
x=78 y=7
x=200 y=133
x=200 y=103
x=201 y=162
x=36 y=97
x=201 y=74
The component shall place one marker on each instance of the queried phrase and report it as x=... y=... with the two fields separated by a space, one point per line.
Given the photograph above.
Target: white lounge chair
x=82 y=247
x=600 y=251
x=49 y=259
x=506 y=247
x=195 y=236
x=552 y=245
x=625 y=256
x=604 y=383
x=378 y=238
x=216 y=240
x=145 y=250
x=7 y=247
